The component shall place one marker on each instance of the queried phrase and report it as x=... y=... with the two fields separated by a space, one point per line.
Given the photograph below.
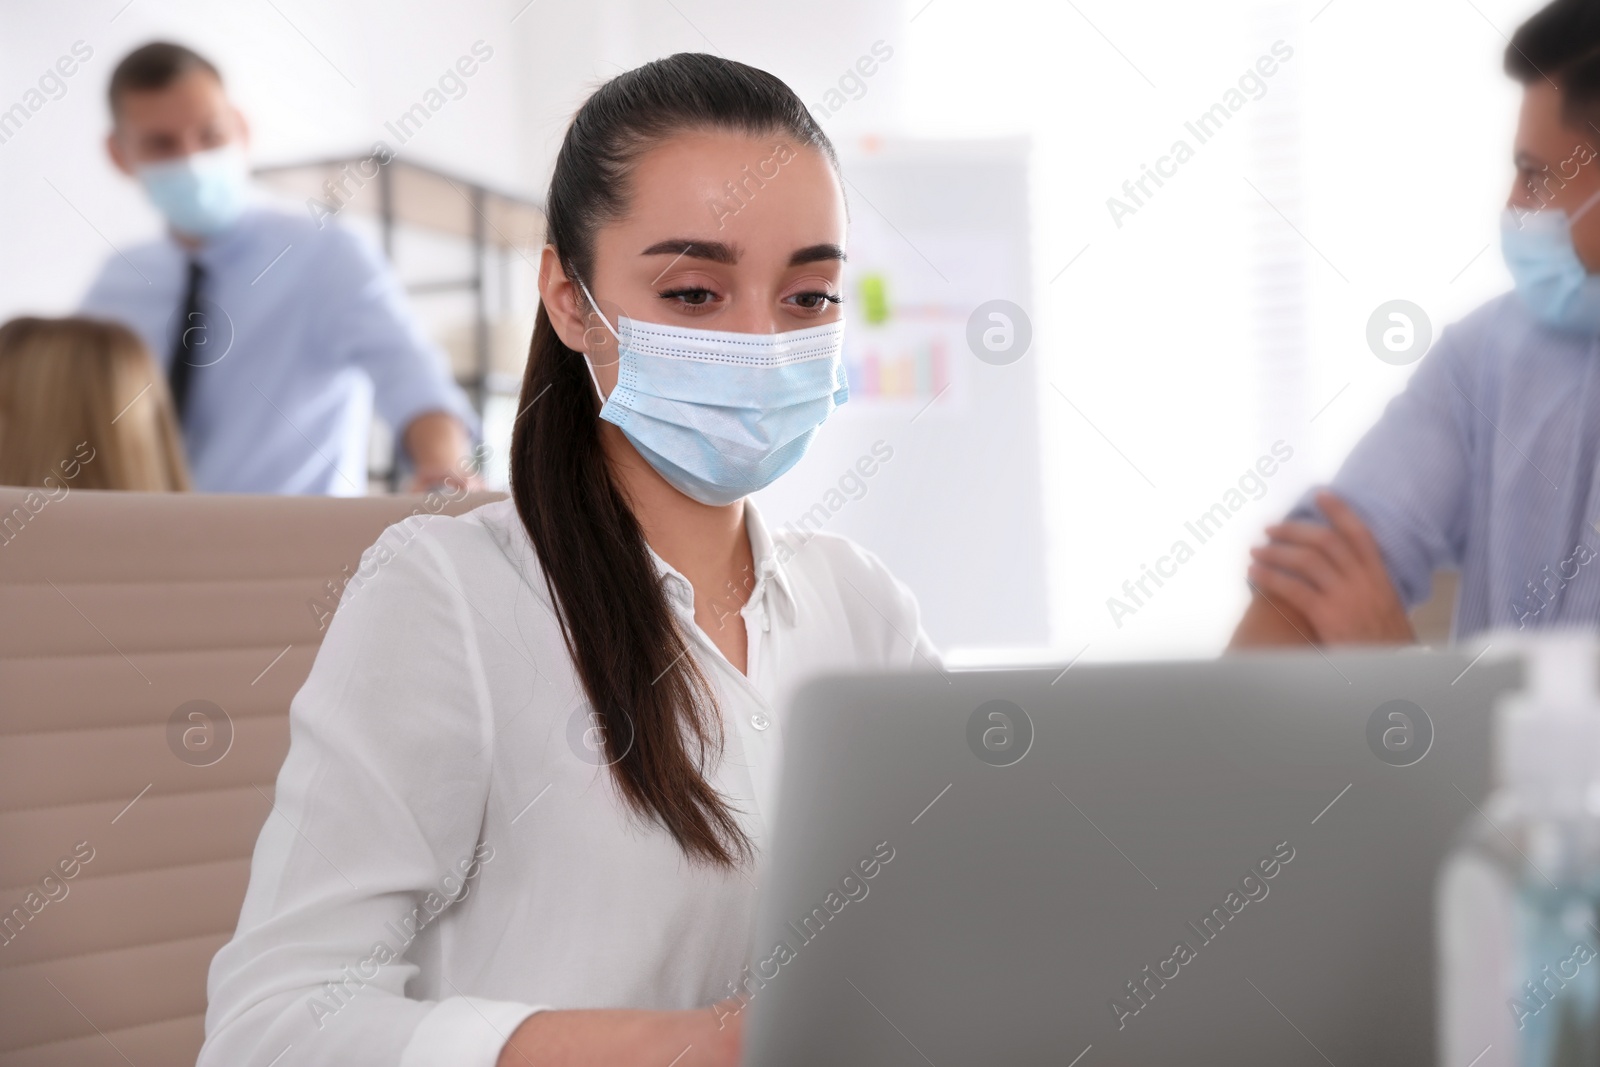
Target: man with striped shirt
x=1486 y=463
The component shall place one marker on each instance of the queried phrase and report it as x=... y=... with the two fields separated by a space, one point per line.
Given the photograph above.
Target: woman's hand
x=702 y=1037
x=1334 y=576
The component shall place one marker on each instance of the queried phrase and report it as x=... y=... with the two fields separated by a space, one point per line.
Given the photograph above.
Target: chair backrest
x=149 y=647
x=1433 y=619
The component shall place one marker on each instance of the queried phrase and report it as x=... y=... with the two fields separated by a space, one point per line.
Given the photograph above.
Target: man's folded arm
x=1407 y=480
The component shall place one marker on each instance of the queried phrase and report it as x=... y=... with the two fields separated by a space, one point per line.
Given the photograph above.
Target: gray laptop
x=1219 y=863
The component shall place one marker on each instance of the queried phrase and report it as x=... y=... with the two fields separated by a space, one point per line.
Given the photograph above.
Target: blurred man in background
x=278 y=333
x=1486 y=463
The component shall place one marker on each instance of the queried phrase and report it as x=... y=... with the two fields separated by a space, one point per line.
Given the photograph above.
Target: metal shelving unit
x=400 y=196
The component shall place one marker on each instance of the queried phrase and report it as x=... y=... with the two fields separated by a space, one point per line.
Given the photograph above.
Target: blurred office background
x=1172 y=346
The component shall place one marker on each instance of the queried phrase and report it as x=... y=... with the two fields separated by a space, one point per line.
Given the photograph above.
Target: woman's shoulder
x=823 y=556
x=459 y=535
x=496 y=520
x=821 y=562
x=486 y=543
x=847 y=582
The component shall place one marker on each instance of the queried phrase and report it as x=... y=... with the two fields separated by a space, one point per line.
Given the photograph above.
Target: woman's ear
x=579 y=326
x=562 y=300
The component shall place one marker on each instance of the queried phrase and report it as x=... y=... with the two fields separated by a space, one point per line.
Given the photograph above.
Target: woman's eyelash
x=672 y=294
x=676 y=294
x=815 y=300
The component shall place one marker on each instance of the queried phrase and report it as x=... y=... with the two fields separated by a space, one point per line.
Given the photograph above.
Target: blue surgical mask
x=720 y=415
x=1551 y=280
x=200 y=194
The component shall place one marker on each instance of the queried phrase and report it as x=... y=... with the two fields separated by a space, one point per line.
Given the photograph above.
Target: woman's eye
x=816 y=301
x=689 y=297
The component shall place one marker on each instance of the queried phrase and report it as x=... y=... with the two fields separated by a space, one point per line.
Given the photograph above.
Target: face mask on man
x=1551 y=280
x=200 y=194
x=718 y=414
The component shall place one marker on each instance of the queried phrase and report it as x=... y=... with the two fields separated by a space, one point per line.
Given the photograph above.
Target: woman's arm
x=374 y=825
x=704 y=1037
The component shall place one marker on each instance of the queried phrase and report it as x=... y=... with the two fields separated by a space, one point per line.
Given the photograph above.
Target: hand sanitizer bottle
x=1518 y=930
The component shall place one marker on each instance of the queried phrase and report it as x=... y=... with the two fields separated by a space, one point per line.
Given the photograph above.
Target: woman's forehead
x=761 y=194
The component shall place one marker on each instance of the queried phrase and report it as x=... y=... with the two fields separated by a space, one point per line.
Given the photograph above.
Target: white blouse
x=448 y=853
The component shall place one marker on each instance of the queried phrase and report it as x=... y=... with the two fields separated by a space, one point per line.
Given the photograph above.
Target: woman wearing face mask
x=531 y=774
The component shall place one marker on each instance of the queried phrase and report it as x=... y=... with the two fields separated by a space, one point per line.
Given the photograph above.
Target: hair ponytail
x=657 y=709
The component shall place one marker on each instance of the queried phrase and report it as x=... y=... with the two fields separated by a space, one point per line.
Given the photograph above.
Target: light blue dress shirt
x=307 y=331
x=1486 y=463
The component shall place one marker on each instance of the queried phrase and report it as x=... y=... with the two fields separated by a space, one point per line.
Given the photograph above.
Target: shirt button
x=760 y=721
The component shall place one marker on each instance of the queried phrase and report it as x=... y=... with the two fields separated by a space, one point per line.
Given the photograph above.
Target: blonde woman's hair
x=83 y=404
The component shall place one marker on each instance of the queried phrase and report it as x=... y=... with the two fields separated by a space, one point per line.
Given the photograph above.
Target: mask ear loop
x=1584 y=209
x=586 y=363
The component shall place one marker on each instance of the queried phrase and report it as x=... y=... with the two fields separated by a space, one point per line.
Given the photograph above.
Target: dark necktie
x=189 y=348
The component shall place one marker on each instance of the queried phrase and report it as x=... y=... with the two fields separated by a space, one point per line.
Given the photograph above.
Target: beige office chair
x=1433 y=618
x=149 y=648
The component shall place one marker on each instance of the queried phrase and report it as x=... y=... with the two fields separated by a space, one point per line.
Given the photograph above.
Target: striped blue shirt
x=307 y=331
x=1485 y=463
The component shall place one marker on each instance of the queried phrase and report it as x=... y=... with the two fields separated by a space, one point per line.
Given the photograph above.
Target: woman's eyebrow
x=715 y=251
x=816 y=254
x=718 y=252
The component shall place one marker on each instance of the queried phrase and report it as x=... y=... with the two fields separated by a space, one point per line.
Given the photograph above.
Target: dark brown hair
x=155 y=66
x=656 y=707
x=1561 y=43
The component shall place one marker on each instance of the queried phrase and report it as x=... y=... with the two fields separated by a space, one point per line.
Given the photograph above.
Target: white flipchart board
x=937 y=228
